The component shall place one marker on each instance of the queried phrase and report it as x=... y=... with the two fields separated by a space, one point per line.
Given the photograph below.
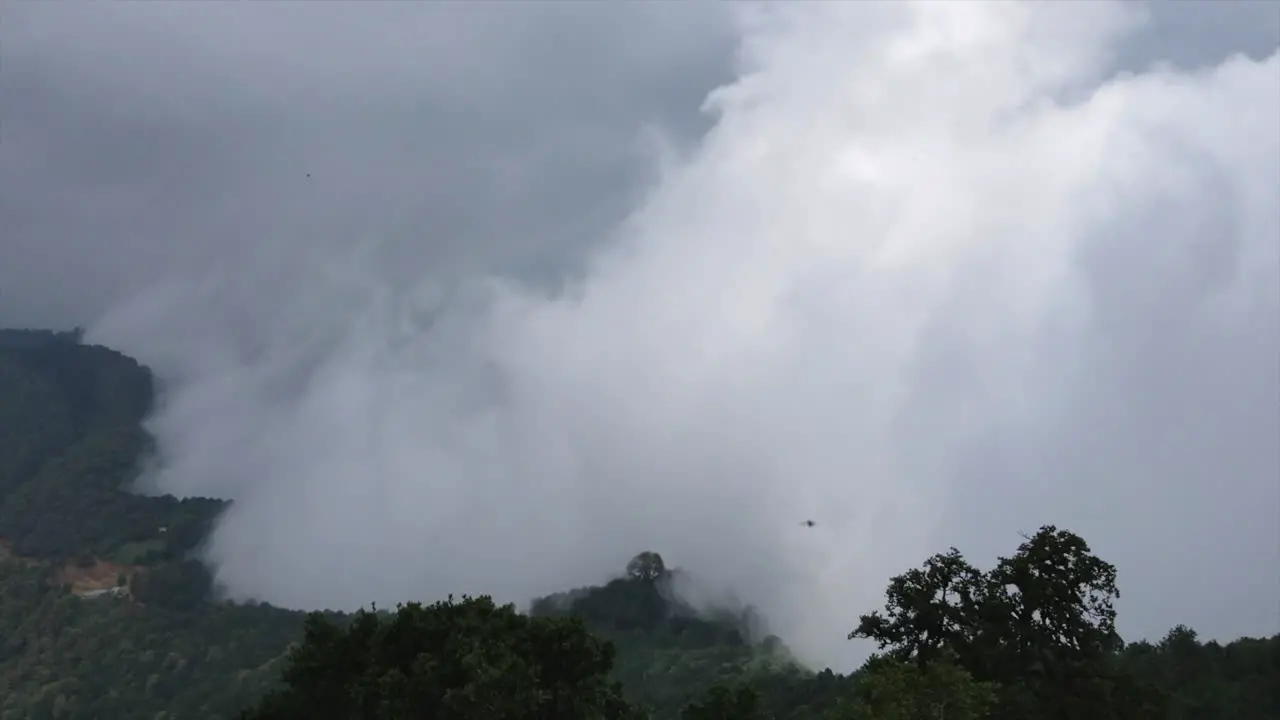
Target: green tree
x=888 y=689
x=467 y=659
x=726 y=702
x=646 y=566
x=927 y=609
x=1041 y=625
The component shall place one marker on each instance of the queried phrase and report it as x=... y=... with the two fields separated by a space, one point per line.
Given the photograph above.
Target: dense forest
x=105 y=612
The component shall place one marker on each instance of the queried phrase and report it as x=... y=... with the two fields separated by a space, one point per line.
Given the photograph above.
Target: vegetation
x=105 y=613
x=471 y=659
x=71 y=438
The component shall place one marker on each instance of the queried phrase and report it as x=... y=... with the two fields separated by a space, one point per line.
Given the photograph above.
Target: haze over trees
x=105 y=613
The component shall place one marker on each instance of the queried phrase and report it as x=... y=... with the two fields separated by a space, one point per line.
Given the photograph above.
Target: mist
x=926 y=274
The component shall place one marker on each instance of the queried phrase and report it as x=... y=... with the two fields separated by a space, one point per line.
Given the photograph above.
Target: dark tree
x=468 y=659
x=927 y=609
x=181 y=586
x=888 y=689
x=1041 y=625
x=646 y=566
x=723 y=702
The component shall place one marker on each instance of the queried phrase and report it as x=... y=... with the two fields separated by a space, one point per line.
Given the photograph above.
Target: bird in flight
x=808 y=523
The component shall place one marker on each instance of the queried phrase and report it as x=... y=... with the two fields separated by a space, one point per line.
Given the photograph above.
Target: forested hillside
x=104 y=613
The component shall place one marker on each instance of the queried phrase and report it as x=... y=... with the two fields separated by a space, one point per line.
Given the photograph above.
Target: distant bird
x=808 y=523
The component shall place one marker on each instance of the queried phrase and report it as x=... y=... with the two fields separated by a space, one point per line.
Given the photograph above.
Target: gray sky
x=487 y=298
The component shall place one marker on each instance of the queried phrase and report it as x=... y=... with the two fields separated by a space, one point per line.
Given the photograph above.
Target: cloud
x=934 y=274
x=154 y=141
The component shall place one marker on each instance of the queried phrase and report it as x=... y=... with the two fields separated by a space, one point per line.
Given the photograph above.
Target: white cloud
x=883 y=287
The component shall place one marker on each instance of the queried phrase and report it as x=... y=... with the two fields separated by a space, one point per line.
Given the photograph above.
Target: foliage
x=1208 y=680
x=646 y=566
x=725 y=702
x=1040 y=627
x=468 y=659
x=670 y=652
x=71 y=444
x=62 y=656
x=889 y=689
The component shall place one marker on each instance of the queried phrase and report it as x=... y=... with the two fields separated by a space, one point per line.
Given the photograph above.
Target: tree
x=930 y=608
x=467 y=659
x=724 y=702
x=1057 y=599
x=182 y=586
x=646 y=566
x=888 y=689
x=1041 y=624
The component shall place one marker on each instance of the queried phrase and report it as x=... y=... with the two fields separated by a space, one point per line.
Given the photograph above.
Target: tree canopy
x=467 y=659
x=1039 y=627
x=646 y=566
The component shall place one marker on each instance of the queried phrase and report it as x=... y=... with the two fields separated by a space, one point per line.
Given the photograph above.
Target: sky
x=489 y=298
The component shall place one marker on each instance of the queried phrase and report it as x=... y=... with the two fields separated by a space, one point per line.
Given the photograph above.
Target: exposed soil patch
x=90 y=580
x=99 y=576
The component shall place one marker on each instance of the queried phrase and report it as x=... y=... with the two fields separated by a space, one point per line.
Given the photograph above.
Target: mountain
x=106 y=613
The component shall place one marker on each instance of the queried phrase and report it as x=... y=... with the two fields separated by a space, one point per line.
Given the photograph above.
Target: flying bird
x=808 y=523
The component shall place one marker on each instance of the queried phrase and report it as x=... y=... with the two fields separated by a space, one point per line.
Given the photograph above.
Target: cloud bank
x=933 y=276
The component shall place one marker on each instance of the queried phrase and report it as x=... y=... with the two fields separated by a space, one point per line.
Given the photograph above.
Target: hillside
x=104 y=614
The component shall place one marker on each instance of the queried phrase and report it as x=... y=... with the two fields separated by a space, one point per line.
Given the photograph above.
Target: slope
x=105 y=613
